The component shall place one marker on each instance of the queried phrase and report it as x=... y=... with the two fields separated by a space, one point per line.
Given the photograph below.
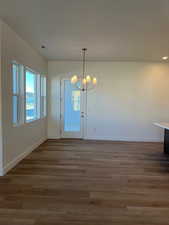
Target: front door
x=72 y=111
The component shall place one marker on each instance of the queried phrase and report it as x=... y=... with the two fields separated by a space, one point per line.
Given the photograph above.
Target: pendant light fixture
x=84 y=82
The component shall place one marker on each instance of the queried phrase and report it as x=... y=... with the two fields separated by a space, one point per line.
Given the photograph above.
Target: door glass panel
x=72 y=112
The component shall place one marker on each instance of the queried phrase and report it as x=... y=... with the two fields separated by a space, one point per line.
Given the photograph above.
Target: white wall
x=18 y=141
x=129 y=98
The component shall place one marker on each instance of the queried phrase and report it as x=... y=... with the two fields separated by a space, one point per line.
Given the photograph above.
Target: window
x=43 y=96
x=15 y=93
x=32 y=95
x=28 y=95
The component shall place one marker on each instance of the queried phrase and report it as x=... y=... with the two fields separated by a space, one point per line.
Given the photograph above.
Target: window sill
x=35 y=120
x=32 y=121
x=28 y=122
x=16 y=125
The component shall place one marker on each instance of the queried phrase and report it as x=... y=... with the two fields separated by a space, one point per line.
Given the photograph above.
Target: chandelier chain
x=84 y=61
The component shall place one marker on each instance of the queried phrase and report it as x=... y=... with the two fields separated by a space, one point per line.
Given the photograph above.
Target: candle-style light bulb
x=74 y=79
x=84 y=81
x=94 y=81
x=88 y=78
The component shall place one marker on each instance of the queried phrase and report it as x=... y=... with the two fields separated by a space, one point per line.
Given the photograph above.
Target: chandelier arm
x=81 y=88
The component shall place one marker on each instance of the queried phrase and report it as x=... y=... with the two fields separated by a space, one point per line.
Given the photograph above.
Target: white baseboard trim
x=127 y=139
x=15 y=161
x=53 y=137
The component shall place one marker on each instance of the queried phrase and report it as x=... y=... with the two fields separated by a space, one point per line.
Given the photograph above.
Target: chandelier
x=84 y=82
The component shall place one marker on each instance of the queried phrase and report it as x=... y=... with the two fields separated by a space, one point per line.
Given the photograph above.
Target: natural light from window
x=31 y=96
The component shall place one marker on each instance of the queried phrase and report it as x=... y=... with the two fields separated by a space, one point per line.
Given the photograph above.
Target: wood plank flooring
x=75 y=182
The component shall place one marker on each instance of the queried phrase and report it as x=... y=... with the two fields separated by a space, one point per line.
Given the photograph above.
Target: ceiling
x=110 y=29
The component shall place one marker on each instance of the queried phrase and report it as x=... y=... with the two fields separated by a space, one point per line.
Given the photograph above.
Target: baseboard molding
x=54 y=137
x=15 y=161
x=127 y=139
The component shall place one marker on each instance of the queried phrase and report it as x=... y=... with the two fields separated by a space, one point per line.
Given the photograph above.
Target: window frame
x=17 y=94
x=43 y=96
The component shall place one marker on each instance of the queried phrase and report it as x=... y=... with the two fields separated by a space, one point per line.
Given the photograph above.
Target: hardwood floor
x=74 y=182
